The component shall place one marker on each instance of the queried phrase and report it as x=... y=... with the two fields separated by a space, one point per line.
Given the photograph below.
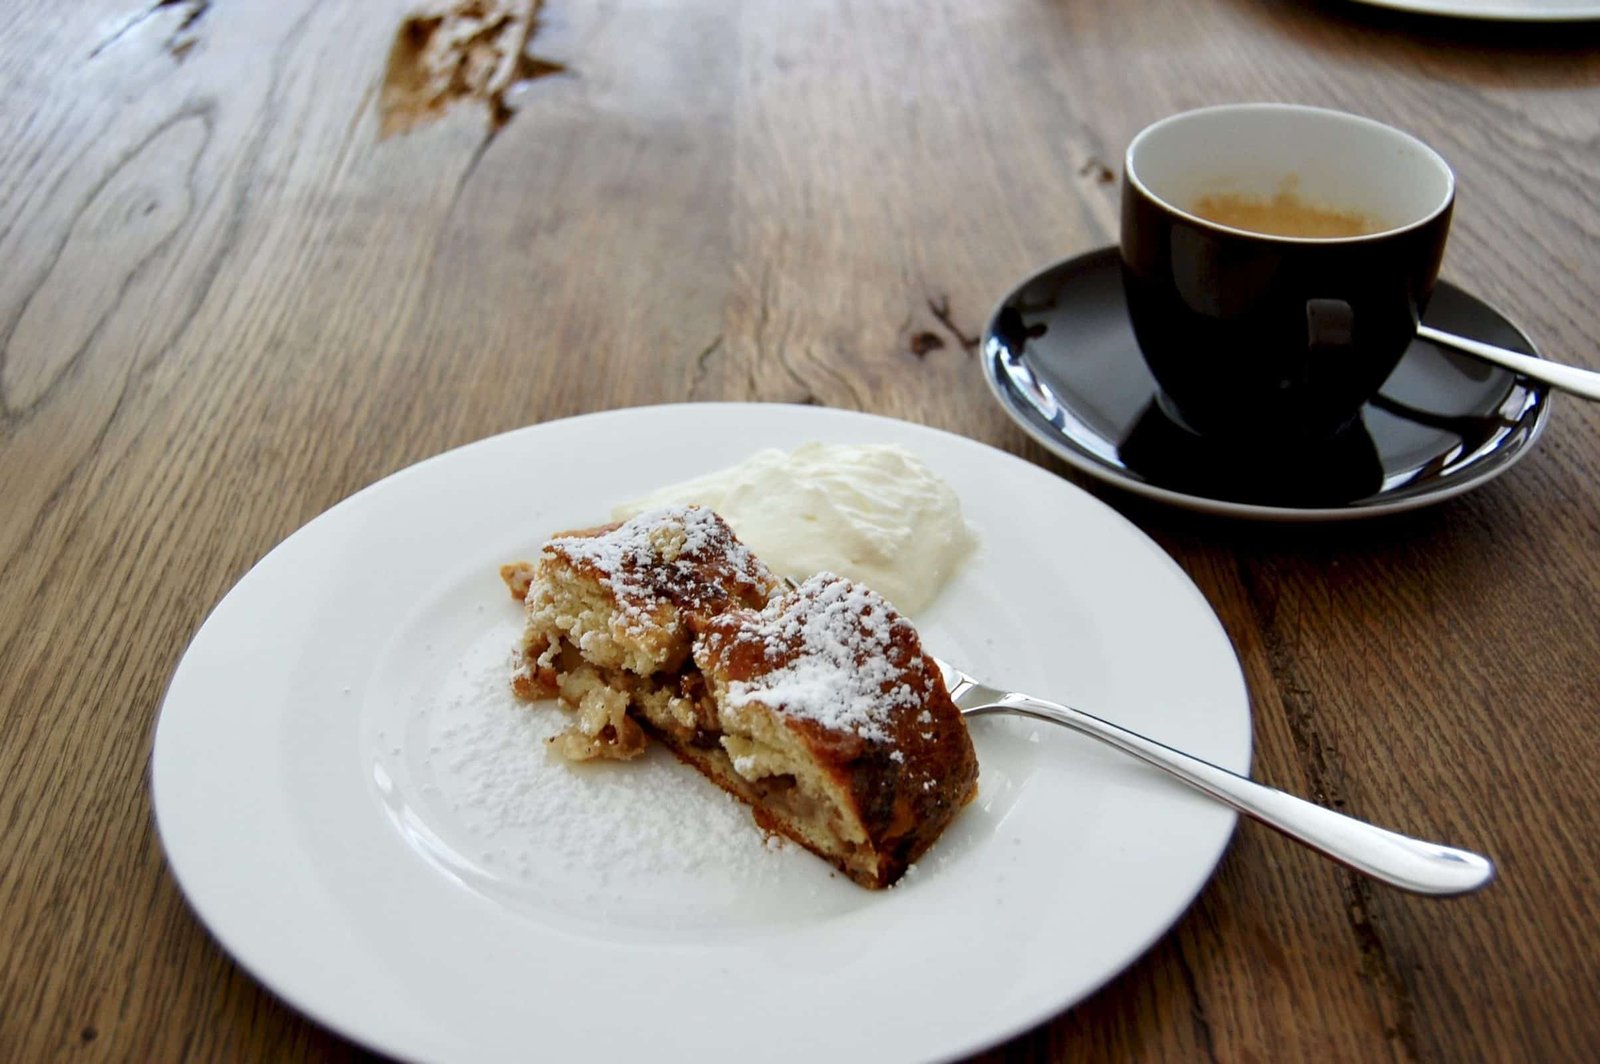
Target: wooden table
x=226 y=304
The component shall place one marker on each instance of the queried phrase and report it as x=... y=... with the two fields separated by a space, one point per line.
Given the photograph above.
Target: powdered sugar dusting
x=648 y=845
x=661 y=552
x=830 y=642
x=608 y=822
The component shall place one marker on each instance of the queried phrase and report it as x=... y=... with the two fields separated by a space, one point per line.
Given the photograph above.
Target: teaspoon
x=1582 y=382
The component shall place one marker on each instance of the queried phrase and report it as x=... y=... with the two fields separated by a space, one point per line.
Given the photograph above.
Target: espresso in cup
x=1276 y=261
x=1284 y=214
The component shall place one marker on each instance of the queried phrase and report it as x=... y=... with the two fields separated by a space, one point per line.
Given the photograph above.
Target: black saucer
x=1060 y=356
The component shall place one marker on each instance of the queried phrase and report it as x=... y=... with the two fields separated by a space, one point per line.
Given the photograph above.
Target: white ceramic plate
x=366 y=820
x=1499 y=10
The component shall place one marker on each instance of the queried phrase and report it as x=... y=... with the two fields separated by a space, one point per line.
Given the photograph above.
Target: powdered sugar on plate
x=607 y=821
x=463 y=769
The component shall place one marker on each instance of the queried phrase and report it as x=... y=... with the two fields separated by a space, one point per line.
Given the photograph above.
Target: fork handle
x=1410 y=864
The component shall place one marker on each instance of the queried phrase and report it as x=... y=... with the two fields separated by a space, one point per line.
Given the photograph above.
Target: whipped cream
x=871 y=512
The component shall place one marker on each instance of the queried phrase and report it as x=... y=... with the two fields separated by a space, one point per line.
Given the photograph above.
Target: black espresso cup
x=1276 y=260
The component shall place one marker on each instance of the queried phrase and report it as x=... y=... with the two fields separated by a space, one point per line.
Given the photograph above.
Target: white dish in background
x=1498 y=10
x=361 y=814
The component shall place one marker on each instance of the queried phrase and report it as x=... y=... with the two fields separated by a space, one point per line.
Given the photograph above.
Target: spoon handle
x=1410 y=864
x=1582 y=382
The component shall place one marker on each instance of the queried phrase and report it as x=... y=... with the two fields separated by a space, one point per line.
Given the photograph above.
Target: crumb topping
x=832 y=652
x=685 y=554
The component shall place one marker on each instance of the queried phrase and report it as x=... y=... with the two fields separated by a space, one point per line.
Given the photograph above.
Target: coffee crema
x=1284 y=213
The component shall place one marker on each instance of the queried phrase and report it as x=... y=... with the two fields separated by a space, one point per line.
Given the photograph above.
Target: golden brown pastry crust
x=817 y=707
x=846 y=676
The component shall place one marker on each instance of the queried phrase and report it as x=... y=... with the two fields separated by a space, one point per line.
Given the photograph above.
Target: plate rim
x=308 y=1006
x=989 y=346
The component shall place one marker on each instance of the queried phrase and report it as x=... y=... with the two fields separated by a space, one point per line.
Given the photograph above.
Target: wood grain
x=227 y=304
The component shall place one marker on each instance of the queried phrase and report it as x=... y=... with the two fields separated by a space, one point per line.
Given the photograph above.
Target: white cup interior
x=1328 y=158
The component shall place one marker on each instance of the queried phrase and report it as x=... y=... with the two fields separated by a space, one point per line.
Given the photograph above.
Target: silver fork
x=1410 y=864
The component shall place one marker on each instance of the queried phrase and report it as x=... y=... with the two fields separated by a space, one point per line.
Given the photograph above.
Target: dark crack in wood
x=127 y=27
x=940 y=307
x=1319 y=763
x=701 y=362
x=532 y=67
x=197 y=11
x=472 y=166
x=1376 y=964
x=176 y=43
x=1197 y=1008
x=1098 y=171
